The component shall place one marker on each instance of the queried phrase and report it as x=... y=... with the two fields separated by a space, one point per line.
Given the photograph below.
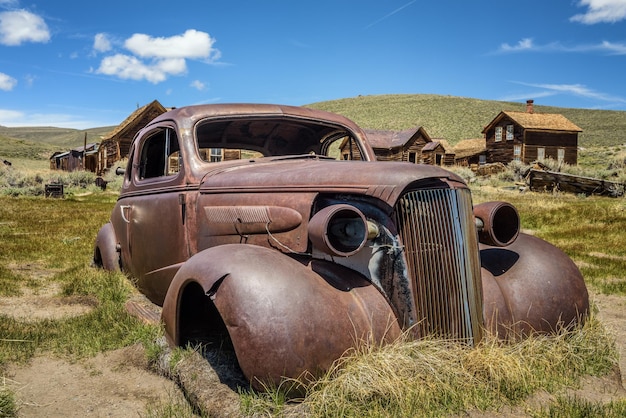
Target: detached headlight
x=339 y=230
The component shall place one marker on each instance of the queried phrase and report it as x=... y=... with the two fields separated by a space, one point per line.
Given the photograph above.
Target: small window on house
x=482 y=159
x=509 y=132
x=215 y=155
x=561 y=155
x=498 y=135
x=541 y=153
x=413 y=157
x=517 y=153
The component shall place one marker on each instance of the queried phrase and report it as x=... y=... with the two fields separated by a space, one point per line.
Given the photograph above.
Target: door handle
x=123 y=208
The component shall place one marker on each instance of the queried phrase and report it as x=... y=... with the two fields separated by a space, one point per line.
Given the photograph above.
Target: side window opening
x=160 y=155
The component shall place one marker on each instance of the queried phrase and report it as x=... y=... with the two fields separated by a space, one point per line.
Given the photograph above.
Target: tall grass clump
x=8 y=407
x=425 y=378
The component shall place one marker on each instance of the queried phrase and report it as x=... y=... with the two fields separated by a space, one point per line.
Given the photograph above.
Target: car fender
x=106 y=254
x=531 y=286
x=284 y=317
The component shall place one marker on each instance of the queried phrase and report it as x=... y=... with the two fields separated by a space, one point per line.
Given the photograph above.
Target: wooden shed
x=438 y=152
x=470 y=152
x=407 y=145
x=81 y=158
x=116 y=145
x=529 y=136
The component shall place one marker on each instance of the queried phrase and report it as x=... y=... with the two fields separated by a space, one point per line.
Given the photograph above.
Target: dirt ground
x=120 y=384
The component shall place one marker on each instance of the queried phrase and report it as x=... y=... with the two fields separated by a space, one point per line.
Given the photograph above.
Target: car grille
x=441 y=248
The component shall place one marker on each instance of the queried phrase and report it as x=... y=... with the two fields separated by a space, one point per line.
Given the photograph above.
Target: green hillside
x=60 y=138
x=11 y=148
x=447 y=117
x=457 y=118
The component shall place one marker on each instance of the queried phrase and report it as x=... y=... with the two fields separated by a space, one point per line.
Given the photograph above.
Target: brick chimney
x=529 y=106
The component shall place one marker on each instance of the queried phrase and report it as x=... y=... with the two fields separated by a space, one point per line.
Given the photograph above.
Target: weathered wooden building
x=81 y=158
x=411 y=145
x=470 y=152
x=438 y=152
x=116 y=145
x=529 y=136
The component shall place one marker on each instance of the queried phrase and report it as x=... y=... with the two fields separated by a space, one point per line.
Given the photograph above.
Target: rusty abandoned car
x=244 y=222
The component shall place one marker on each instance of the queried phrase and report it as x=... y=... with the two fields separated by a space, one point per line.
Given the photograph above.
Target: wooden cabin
x=470 y=152
x=529 y=136
x=116 y=145
x=81 y=158
x=437 y=152
x=407 y=145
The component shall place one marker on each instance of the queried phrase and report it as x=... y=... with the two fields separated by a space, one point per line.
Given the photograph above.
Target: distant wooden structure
x=410 y=145
x=116 y=145
x=470 y=152
x=529 y=136
x=544 y=180
x=81 y=158
x=437 y=152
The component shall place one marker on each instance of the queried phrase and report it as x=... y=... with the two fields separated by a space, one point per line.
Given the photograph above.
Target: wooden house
x=407 y=145
x=470 y=152
x=81 y=158
x=529 y=136
x=437 y=152
x=116 y=145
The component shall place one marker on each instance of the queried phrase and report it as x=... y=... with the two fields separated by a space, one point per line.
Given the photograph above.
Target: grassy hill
x=457 y=118
x=40 y=142
x=447 y=117
x=59 y=137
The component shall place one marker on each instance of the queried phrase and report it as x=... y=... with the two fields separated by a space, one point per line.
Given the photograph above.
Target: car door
x=154 y=212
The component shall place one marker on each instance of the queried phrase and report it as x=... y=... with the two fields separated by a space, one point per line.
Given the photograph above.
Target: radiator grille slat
x=441 y=249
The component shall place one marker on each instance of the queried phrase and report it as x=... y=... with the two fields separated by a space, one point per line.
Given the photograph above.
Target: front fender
x=106 y=254
x=284 y=317
x=531 y=286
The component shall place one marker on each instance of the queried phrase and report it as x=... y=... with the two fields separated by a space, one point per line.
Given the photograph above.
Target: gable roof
x=431 y=146
x=380 y=139
x=537 y=121
x=125 y=131
x=470 y=147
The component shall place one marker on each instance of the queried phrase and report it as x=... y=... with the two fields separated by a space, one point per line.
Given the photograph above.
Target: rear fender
x=105 y=253
x=531 y=286
x=283 y=317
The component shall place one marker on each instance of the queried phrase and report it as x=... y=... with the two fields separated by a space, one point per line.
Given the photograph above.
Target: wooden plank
x=540 y=180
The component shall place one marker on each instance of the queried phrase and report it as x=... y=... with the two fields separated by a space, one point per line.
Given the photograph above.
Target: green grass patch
x=8 y=407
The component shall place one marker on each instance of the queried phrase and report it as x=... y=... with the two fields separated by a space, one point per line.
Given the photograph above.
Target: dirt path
x=119 y=384
x=114 y=384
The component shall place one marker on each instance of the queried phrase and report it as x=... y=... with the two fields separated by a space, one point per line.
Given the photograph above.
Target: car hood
x=384 y=180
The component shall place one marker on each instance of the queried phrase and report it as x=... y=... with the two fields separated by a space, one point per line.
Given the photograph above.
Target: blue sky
x=90 y=64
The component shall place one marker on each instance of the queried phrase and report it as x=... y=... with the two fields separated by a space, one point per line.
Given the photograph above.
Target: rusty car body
x=242 y=221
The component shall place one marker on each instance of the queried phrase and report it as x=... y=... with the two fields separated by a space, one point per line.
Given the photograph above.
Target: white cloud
x=128 y=67
x=198 y=85
x=7 y=117
x=101 y=43
x=155 y=59
x=191 y=44
x=7 y=82
x=523 y=45
x=619 y=49
x=579 y=90
x=527 y=45
x=601 y=11
x=16 y=118
x=17 y=27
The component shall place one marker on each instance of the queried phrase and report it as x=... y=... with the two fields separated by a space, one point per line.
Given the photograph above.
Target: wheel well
x=199 y=321
x=97 y=258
